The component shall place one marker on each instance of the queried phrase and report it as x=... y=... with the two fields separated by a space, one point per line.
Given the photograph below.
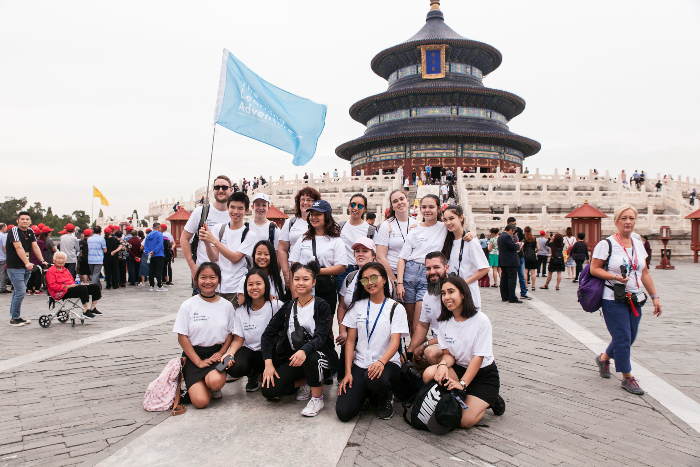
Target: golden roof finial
x=434 y=4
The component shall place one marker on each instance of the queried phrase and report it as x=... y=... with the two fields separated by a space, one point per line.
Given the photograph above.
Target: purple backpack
x=590 y=287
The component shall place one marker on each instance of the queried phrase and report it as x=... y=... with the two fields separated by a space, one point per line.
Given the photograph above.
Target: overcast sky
x=121 y=94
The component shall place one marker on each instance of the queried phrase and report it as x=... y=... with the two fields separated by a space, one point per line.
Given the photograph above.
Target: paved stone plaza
x=73 y=396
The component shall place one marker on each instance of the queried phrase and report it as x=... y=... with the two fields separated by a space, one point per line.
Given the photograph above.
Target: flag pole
x=92 y=205
x=211 y=157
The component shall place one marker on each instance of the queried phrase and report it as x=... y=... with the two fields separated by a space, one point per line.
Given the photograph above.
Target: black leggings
x=35 y=278
x=542 y=264
x=350 y=402
x=111 y=265
x=246 y=363
x=313 y=369
x=579 y=268
x=84 y=292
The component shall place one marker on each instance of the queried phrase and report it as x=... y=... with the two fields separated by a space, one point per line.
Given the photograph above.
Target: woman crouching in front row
x=203 y=326
x=464 y=335
x=375 y=324
x=303 y=326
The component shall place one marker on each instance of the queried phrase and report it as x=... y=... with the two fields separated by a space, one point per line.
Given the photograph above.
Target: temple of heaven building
x=436 y=110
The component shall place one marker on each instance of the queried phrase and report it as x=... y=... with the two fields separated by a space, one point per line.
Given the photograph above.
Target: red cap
x=164 y=226
x=542 y=232
x=69 y=227
x=41 y=226
x=87 y=232
x=62 y=232
x=33 y=227
x=128 y=227
x=46 y=229
x=36 y=230
x=10 y=226
x=148 y=230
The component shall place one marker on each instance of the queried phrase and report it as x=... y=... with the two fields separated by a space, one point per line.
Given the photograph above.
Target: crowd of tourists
x=31 y=263
x=405 y=295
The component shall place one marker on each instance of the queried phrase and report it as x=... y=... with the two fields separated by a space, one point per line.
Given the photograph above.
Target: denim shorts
x=415 y=283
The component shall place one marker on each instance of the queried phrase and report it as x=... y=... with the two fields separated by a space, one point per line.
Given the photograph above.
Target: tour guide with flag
x=251 y=106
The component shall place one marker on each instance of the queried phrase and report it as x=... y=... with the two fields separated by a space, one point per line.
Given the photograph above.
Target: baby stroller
x=66 y=310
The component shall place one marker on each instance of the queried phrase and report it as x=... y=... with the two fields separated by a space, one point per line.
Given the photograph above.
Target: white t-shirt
x=205 y=324
x=169 y=236
x=250 y=324
x=568 y=242
x=348 y=292
x=263 y=232
x=430 y=312
x=369 y=351
x=618 y=259
x=473 y=259
x=330 y=251
x=3 y=243
x=424 y=240
x=393 y=234
x=467 y=339
x=295 y=233
x=233 y=273
x=444 y=190
x=273 y=290
x=349 y=234
x=305 y=316
x=215 y=217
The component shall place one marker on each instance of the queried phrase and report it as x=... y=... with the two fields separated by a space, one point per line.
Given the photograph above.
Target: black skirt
x=486 y=382
x=83 y=268
x=191 y=372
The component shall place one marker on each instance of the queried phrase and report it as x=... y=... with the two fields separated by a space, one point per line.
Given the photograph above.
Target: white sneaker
x=152 y=289
x=313 y=407
x=304 y=393
x=216 y=394
x=140 y=284
x=162 y=289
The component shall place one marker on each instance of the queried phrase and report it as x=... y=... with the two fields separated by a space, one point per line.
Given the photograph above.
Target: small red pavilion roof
x=181 y=215
x=586 y=211
x=274 y=213
x=693 y=215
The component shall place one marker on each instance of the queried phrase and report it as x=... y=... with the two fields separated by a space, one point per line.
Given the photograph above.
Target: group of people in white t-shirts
x=264 y=299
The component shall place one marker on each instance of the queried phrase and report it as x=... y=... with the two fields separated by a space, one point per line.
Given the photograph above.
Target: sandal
x=557 y=288
x=544 y=287
x=533 y=288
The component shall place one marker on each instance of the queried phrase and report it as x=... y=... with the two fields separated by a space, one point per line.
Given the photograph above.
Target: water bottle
x=77 y=280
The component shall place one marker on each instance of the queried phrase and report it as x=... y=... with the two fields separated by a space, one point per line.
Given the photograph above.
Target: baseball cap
x=41 y=226
x=87 y=232
x=128 y=227
x=542 y=232
x=46 y=229
x=10 y=226
x=36 y=230
x=321 y=206
x=69 y=227
x=364 y=241
x=164 y=226
x=62 y=232
x=261 y=196
x=447 y=415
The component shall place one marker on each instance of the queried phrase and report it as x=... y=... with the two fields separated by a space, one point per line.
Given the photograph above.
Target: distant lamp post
x=665 y=236
x=694 y=233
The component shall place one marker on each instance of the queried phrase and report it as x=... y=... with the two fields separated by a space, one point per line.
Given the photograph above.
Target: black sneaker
x=365 y=406
x=498 y=407
x=17 y=322
x=603 y=367
x=386 y=407
x=88 y=314
x=95 y=312
x=253 y=383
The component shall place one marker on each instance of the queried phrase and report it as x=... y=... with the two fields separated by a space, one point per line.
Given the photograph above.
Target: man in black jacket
x=509 y=262
x=520 y=238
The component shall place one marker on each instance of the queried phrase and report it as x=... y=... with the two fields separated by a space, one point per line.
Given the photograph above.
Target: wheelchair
x=66 y=310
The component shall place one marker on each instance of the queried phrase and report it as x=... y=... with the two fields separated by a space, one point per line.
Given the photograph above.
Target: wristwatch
x=464 y=385
x=426 y=344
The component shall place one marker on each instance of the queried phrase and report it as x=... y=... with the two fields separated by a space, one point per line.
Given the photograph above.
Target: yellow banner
x=96 y=194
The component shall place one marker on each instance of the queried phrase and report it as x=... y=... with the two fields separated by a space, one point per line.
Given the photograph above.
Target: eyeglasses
x=373 y=279
x=221 y=187
x=358 y=206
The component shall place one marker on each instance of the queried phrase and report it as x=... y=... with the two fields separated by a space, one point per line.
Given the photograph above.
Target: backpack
x=558 y=257
x=422 y=405
x=248 y=259
x=371 y=230
x=164 y=392
x=195 y=239
x=530 y=254
x=590 y=287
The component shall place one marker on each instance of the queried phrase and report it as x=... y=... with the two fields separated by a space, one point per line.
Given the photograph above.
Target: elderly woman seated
x=61 y=285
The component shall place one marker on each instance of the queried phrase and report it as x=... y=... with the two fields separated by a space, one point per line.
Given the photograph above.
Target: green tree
x=80 y=219
x=37 y=213
x=10 y=208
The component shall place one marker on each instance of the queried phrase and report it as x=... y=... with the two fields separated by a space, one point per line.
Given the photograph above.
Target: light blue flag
x=249 y=105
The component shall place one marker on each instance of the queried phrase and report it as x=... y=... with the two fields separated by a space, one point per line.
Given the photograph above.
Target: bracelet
x=441 y=364
x=399 y=283
x=653 y=296
x=426 y=344
x=381 y=362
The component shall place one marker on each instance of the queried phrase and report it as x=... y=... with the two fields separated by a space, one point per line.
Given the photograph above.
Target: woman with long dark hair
x=465 y=259
x=556 y=261
x=465 y=337
x=393 y=232
x=530 y=256
x=351 y=230
x=375 y=326
x=203 y=326
x=251 y=320
x=321 y=244
x=303 y=326
x=294 y=228
x=265 y=258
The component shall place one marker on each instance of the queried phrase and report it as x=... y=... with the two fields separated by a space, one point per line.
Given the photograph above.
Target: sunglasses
x=373 y=279
x=221 y=187
x=358 y=206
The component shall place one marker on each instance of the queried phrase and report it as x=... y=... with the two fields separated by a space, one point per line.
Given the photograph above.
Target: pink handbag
x=164 y=392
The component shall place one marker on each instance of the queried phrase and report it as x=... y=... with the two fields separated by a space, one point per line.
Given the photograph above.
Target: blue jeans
x=343 y=275
x=622 y=326
x=19 y=279
x=415 y=284
x=521 y=278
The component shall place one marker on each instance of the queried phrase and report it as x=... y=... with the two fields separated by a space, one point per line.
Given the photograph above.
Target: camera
x=409 y=369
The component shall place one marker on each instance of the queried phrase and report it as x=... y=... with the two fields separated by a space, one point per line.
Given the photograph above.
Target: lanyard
x=369 y=334
x=408 y=224
x=459 y=263
x=634 y=263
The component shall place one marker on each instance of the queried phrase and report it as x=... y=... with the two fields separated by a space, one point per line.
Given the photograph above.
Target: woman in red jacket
x=61 y=285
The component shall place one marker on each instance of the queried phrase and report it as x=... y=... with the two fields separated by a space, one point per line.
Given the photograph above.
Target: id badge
x=368 y=358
